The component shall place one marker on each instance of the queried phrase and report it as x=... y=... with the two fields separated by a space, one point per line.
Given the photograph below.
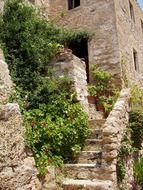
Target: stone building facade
x=117 y=26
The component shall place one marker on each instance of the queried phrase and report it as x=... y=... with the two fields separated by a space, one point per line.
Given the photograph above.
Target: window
x=132 y=11
x=142 y=26
x=135 y=56
x=73 y=4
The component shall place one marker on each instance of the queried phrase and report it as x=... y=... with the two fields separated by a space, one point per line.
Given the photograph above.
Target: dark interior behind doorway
x=80 y=49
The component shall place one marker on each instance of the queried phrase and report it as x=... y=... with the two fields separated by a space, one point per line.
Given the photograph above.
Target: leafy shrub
x=136 y=125
x=29 y=43
x=104 y=89
x=136 y=98
x=56 y=129
x=138 y=171
x=55 y=122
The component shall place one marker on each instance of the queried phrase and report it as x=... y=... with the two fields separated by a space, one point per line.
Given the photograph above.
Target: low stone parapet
x=113 y=132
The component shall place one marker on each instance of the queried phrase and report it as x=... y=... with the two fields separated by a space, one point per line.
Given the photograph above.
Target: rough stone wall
x=73 y=67
x=97 y=17
x=130 y=36
x=17 y=170
x=1 y=6
x=43 y=5
x=5 y=81
x=113 y=131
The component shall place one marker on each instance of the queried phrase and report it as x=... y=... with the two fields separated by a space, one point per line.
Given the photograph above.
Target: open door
x=80 y=49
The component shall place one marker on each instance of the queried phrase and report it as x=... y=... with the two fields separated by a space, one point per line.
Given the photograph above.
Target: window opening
x=73 y=4
x=142 y=25
x=132 y=11
x=135 y=56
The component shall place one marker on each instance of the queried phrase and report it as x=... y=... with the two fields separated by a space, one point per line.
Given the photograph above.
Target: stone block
x=5 y=82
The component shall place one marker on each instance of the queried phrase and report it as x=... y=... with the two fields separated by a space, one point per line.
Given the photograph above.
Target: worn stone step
x=84 y=171
x=95 y=134
x=93 y=113
x=71 y=184
x=93 y=145
x=96 y=123
x=90 y=157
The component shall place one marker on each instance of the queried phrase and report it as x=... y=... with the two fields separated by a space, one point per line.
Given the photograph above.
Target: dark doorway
x=80 y=49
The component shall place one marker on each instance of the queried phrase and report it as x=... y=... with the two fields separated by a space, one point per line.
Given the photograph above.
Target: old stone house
x=118 y=27
x=116 y=46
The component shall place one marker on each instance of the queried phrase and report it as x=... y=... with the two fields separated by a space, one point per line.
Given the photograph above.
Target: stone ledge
x=71 y=184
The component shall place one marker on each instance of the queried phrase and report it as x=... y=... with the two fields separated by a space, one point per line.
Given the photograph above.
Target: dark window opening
x=73 y=4
x=132 y=11
x=80 y=49
x=142 y=26
x=135 y=56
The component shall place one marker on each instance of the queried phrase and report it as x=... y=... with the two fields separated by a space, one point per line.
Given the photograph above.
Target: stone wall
x=130 y=36
x=43 y=5
x=1 y=6
x=66 y=64
x=113 y=132
x=97 y=17
x=116 y=33
x=17 y=170
x=5 y=81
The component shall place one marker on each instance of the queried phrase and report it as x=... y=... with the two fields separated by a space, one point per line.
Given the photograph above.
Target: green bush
x=138 y=171
x=56 y=129
x=104 y=89
x=29 y=43
x=136 y=125
x=55 y=122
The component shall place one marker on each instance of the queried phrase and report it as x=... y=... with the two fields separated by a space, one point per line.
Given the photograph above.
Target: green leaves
x=57 y=129
x=138 y=171
x=28 y=41
x=56 y=126
x=63 y=136
x=104 y=88
x=136 y=125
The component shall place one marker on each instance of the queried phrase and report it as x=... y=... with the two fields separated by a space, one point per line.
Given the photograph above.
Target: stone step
x=84 y=171
x=90 y=157
x=93 y=113
x=95 y=134
x=96 y=123
x=93 y=145
x=71 y=184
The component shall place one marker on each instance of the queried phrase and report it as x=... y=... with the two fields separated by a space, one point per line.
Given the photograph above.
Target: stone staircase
x=88 y=172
